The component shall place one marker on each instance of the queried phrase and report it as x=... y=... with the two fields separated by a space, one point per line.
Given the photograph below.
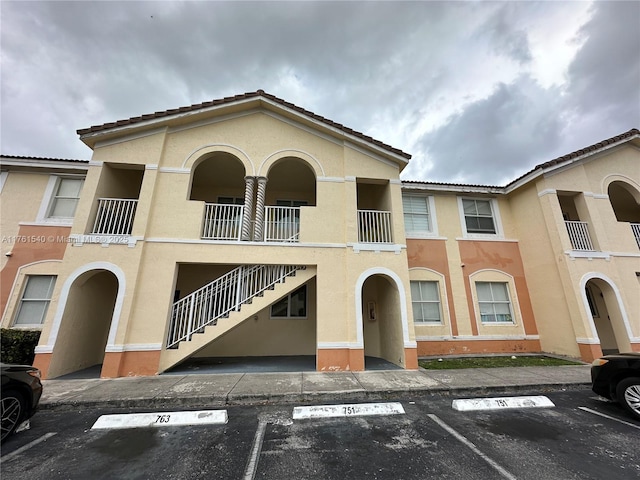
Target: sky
x=477 y=92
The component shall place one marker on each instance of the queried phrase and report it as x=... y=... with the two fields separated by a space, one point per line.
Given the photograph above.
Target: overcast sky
x=477 y=92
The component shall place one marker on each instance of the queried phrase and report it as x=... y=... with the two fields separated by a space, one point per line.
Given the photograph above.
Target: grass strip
x=493 y=362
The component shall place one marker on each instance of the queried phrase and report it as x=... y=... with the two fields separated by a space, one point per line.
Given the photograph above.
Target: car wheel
x=13 y=407
x=628 y=393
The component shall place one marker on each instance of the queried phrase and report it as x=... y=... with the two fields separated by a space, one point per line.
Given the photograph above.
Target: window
x=35 y=300
x=417 y=217
x=425 y=299
x=293 y=305
x=478 y=216
x=65 y=199
x=290 y=203
x=493 y=299
x=231 y=200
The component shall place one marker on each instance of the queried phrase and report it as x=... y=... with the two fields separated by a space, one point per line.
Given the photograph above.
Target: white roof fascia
x=43 y=163
x=552 y=168
x=435 y=187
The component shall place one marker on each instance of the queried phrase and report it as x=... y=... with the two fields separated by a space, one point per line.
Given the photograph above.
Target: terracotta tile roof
x=578 y=153
x=243 y=96
x=445 y=184
x=556 y=161
x=23 y=157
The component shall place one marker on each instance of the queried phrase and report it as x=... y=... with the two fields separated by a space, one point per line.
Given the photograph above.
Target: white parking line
x=471 y=446
x=252 y=463
x=161 y=419
x=350 y=410
x=470 y=404
x=9 y=456
x=609 y=417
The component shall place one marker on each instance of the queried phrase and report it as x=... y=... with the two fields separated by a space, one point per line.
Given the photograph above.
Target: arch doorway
x=382 y=332
x=607 y=316
x=85 y=324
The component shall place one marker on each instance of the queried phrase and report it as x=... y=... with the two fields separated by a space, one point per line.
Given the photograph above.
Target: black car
x=21 y=392
x=617 y=377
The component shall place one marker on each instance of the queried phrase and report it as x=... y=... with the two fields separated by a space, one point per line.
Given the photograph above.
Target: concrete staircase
x=202 y=337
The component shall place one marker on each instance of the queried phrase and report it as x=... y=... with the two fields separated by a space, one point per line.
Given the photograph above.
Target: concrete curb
x=303 y=398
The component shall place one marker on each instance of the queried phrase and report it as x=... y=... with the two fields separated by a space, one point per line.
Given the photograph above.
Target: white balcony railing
x=635 y=228
x=282 y=224
x=222 y=221
x=579 y=236
x=115 y=216
x=374 y=226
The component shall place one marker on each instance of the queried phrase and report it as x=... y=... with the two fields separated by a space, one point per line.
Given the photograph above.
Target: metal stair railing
x=222 y=296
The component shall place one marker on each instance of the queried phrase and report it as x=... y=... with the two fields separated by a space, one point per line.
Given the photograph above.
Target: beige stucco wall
x=556 y=275
x=262 y=335
x=167 y=232
x=446 y=258
x=20 y=201
x=35 y=245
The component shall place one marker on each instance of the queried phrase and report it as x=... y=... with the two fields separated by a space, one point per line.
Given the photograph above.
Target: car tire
x=13 y=409
x=628 y=394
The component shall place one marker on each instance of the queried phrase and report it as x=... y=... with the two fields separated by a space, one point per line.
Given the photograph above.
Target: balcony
x=282 y=224
x=579 y=236
x=635 y=228
x=222 y=221
x=115 y=216
x=374 y=226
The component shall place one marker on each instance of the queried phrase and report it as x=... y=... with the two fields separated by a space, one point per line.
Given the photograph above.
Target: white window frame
x=439 y=302
x=48 y=198
x=288 y=300
x=495 y=213
x=228 y=200
x=27 y=278
x=291 y=203
x=431 y=212
x=509 y=302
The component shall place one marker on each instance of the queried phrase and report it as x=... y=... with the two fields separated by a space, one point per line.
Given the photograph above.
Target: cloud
x=505 y=35
x=457 y=84
x=604 y=78
x=491 y=140
x=521 y=123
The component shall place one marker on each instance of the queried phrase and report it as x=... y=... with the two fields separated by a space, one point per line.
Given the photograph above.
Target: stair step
x=238 y=308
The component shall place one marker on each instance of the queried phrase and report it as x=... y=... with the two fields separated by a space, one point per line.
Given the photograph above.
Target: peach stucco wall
x=432 y=254
x=460 y=347
x=44 y=243
x=505 y=257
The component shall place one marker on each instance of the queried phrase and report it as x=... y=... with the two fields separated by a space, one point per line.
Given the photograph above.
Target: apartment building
x=248 y=226
x=550 y=262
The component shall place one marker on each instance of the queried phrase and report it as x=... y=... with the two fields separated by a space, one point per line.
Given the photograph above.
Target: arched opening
x=218 y=180
x=291 y=185
x=625 y=201
x=381 y=323
x=220 y=175
x=291 y=179
x=85 y=324
x=607 y=316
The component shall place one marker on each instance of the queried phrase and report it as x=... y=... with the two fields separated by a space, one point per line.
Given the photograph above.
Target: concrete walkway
x=220 y=389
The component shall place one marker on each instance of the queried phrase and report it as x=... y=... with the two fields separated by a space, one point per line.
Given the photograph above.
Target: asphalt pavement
x=191 y=390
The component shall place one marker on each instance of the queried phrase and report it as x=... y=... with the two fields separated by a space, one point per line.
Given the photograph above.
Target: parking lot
x=581 y=437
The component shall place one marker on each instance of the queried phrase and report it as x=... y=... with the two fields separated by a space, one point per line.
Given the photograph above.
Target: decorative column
x=248 y=208
x=258 y=231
